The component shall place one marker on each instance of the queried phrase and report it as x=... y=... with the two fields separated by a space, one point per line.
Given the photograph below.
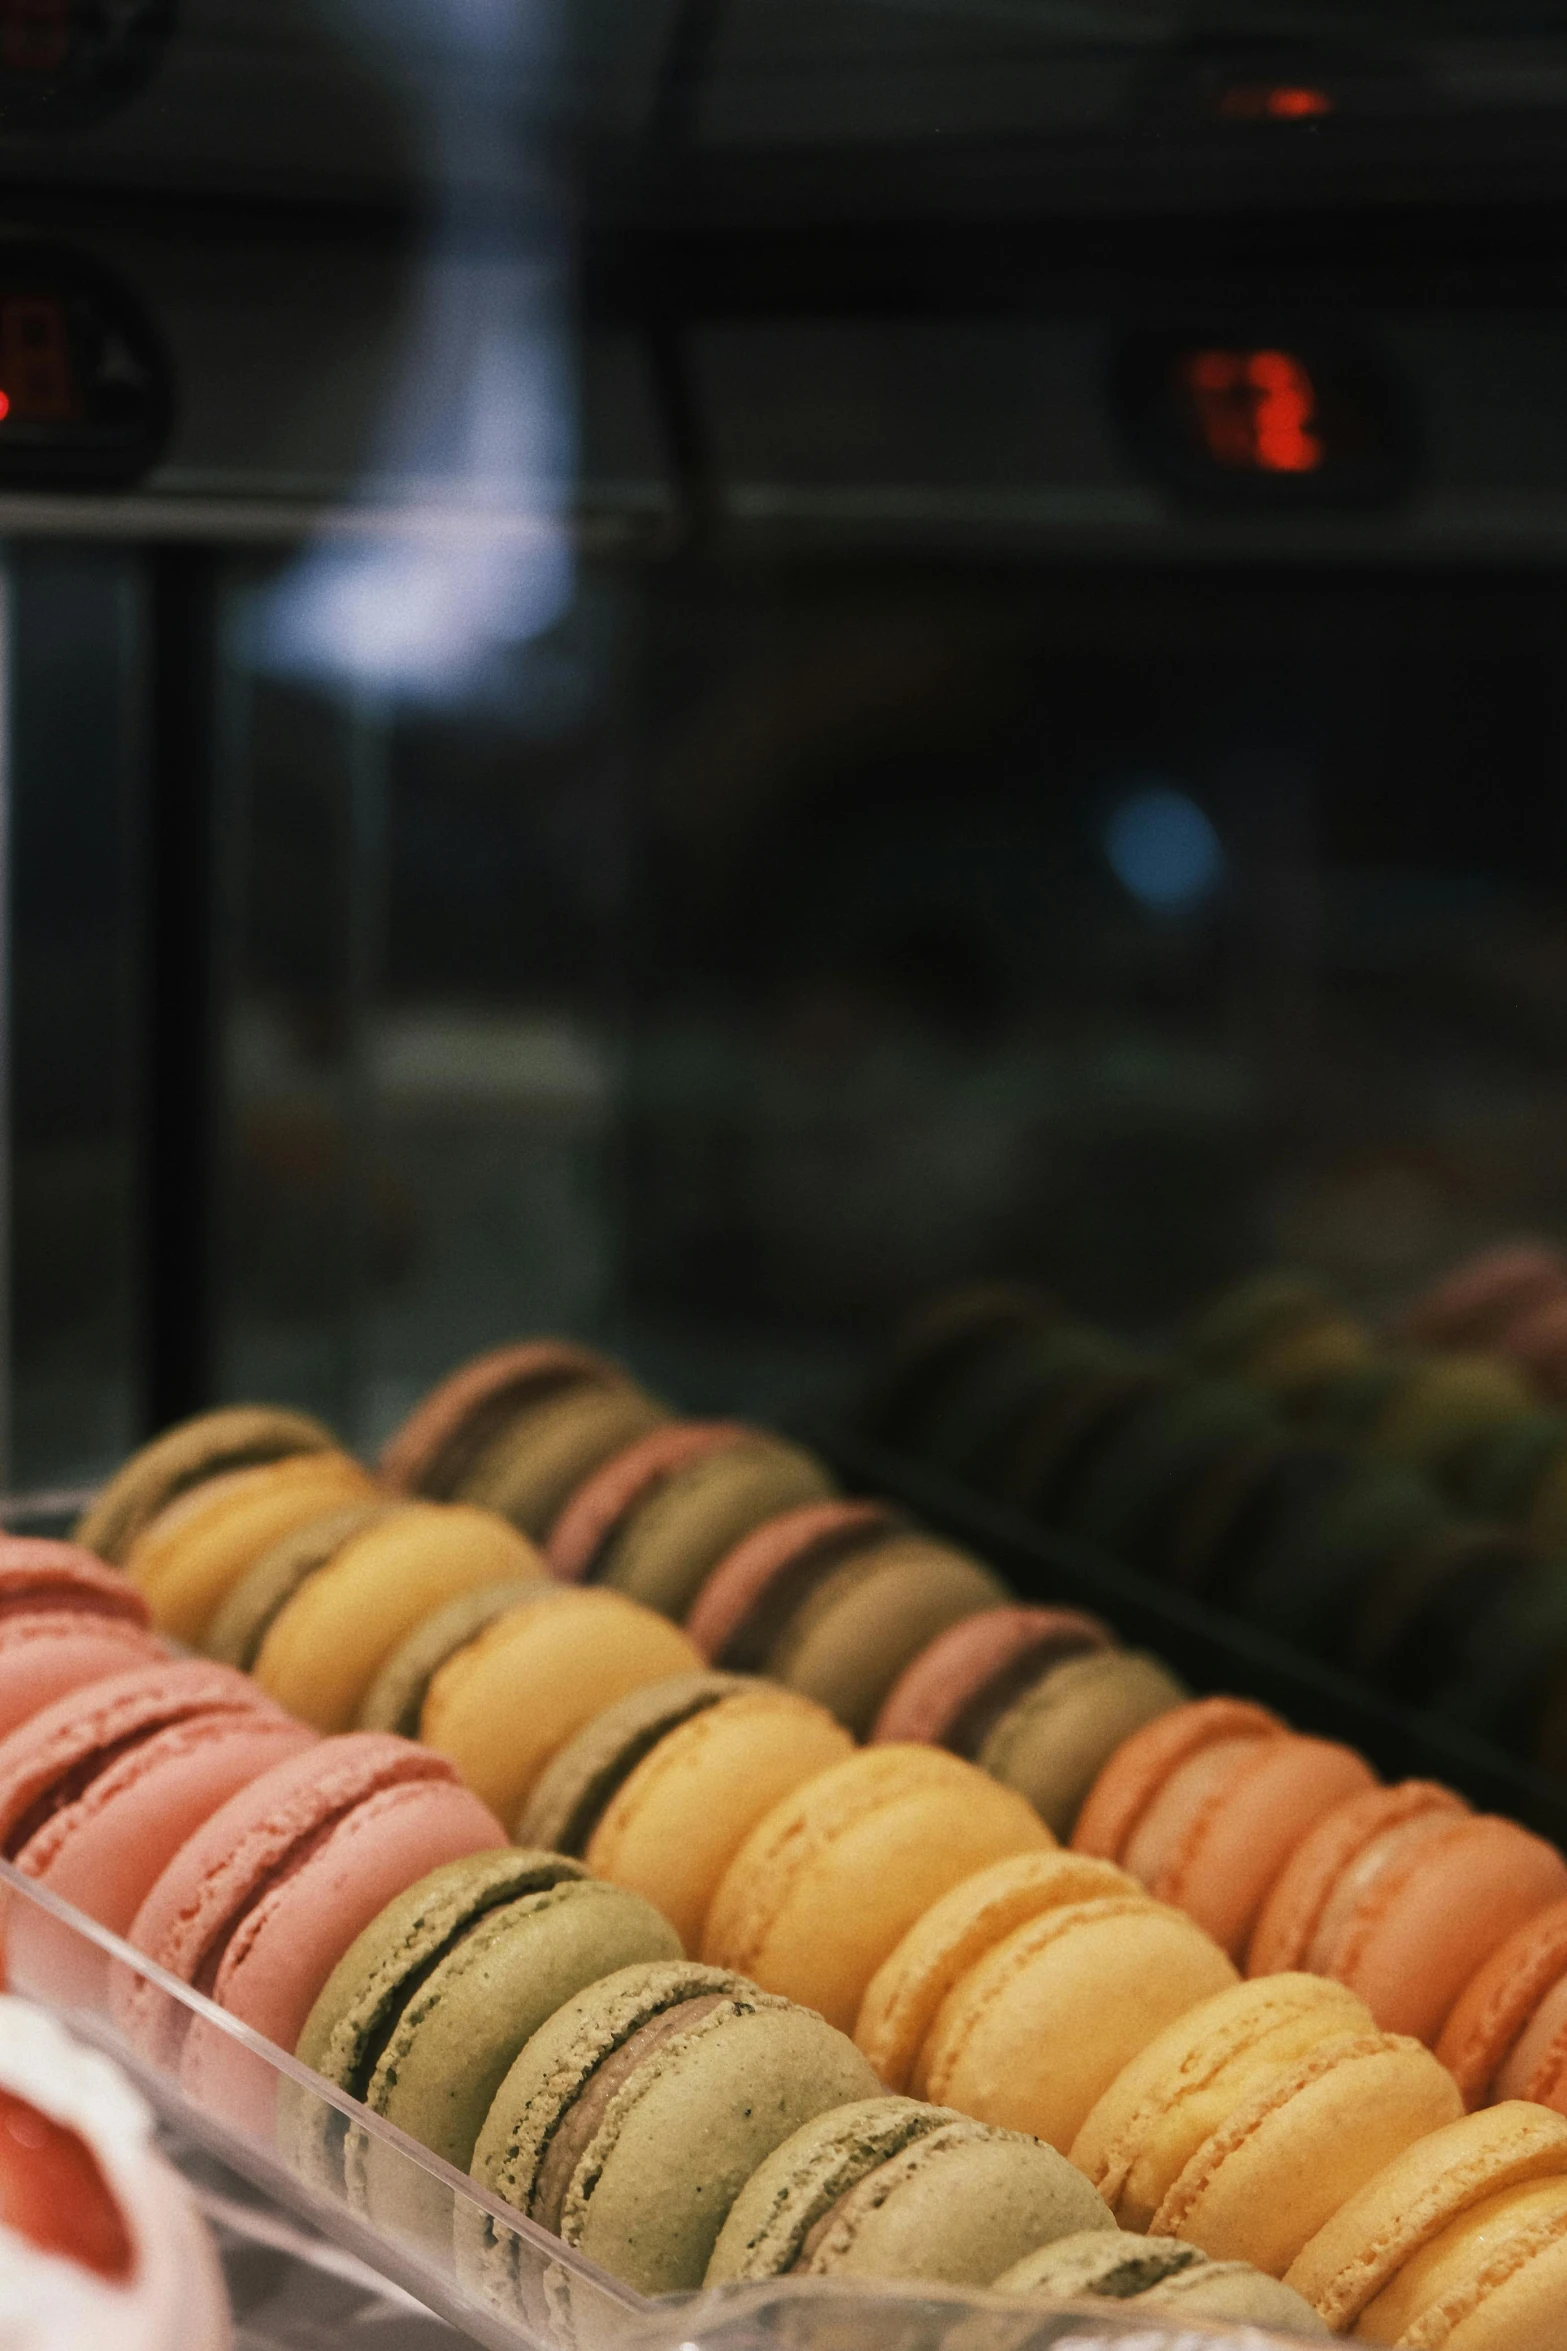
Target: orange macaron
x=1507 y=2035
x=1206 y=1805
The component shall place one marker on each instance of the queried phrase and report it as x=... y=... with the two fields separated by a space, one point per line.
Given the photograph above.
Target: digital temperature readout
x=1264 y=421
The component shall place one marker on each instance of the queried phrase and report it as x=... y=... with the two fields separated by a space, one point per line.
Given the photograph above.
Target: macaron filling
x=578 y=2126
x=865 y=2187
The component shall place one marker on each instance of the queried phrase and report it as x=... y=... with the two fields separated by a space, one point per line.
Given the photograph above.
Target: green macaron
x=1162 y=2274
x=577 y=1788
x=395 y=1699
x=633 y=2118
x=429 y=2007
x=671 y=1537
x=1052 y=1743
x=891 y=2188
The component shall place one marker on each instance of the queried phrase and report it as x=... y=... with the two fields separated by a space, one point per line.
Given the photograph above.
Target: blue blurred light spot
x=1164 y=849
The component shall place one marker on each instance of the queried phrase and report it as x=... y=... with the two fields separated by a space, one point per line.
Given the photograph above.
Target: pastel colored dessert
x=100 y=1790
x=889 y=2188
x=259 y=1905
x=836 y=1600
x=100 y=2239
x=434 y=1451
x=1161 y=2276
x=238 y=1436
x=189 y=1557
x=661 y=1790
x=1404 y=1894
x=1256 y=1315
x=1418 y=1628
x=1033 y=2032
x=1473 y=1304
x=1245 y=2126
x=65 y=1620
x=1206 y=1805
x=1460 y=2240
x=426 y=2012
x=324 y=1648
x=833 y=1877
x=657 y=1517
x=236 y=1633
x=962 y=1682
x=503 y=1704
x=1450 y=1401
x=1052 y=1743
x=395 y=1699
x=633 y=2118
x=1506 y=2035
x=1309 y=1573
x=904 y=1997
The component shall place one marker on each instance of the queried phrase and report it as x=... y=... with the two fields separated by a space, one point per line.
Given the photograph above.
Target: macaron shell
x=189 y=1558
x=957 y=2206
x=1501 y=2002
x=501 y=1707
x=1427 y=1929
x=1400 y=2210
x=448 y=1429
x=325 y=1648
x=1494 y=2281
x=237 y=1630
x=1053 y=1743
x=748 y=1595
x=1294 y=1909
x=927 y=1703
x=1179 y=2089
x=571 y=1794
x=832 y=1878
x=675 y=1825
x=1033 y=2036
x=668 y=1545
x=36 y=1573
x=802 y=2179
x=235 y=1437
x=1138 y=1770
x=395 y=1699
x=44 y=1656
x=1242 y=1838
x=1261 y=2186
x=903 y=1997
x=857 y=1631
x=530 y=1472
x=581 y=1533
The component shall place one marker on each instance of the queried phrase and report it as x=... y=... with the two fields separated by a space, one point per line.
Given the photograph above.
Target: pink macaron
x=65 y=1620
x=100 y=1790
x=967 y=1676
x=256 y=1909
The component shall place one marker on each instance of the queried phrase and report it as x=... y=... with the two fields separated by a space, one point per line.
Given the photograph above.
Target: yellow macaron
x=189 y=1557
x=831 y=1879
x=330 y=1639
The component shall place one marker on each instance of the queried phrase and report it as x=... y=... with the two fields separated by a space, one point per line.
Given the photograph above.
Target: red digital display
x=35 y=35
x=1274 y=102
x=1252 y=411
x=37 y=371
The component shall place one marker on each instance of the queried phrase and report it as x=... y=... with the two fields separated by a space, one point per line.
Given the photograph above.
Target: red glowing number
x=1254 y=410
x=35 y=361
x=53 y=2192
x=35 y=35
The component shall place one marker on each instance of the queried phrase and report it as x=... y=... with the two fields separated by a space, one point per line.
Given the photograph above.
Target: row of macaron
x=1050 y=1989
x=1205 y=1471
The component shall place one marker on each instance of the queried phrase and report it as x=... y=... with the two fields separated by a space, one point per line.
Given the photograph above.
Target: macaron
x=425 y=2013
x=506 y=1702
x=657 y=1517
x=906 y=1993
x=530 y=1472
x=960 y=1684
x=99 y=1791
x=395 y=1699
x=1451 y=1402
x=1506 y=2036
x=238 y=1436
x=1404 y=1898
x=889 y=2188
x=661 y=1790
x=1189 y=2078
x=1255 y=1315
x=324 y=1648
x=633 y=2117
x=1206 y=1805
x=1160 y=2276
x=1473 y=1304
x=833 y=1877
x=1461 y=2239
x=259 y=1905
x=235 y=1634
x=1032 y=2035
x=749 y=1597
x=1306 y=1580
x=447 y=1433
x=1307 y=2135
x=65 y=1620
x=189 y=1557
x=1126 y=1489
x=1052 y=1743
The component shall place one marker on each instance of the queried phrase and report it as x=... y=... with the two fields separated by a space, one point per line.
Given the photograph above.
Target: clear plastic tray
x=321 y=2157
